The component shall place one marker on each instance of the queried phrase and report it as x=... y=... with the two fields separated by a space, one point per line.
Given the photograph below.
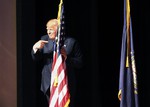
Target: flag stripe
x=54 y=71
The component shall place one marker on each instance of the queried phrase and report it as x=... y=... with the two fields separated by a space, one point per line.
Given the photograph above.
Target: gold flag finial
x=59 y=11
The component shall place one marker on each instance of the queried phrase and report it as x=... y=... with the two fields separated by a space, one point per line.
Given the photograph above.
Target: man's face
x=52 y=29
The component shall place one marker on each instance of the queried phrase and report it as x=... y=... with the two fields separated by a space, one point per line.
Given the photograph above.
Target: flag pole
x=59 y=11
x=128 y=32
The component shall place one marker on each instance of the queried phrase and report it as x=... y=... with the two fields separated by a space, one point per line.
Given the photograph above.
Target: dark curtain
x=98 y=28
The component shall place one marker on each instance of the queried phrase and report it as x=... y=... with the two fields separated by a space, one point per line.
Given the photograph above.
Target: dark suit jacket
x=73 y=61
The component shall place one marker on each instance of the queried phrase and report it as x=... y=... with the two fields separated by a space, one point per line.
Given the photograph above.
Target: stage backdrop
x=8 y=53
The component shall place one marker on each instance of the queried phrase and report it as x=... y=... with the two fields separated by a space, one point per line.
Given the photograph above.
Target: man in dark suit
x=43 y=50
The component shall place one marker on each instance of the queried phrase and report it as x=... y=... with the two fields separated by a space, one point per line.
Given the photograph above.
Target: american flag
x=59 y=92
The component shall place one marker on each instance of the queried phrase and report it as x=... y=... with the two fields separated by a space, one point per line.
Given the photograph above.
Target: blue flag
x=128 y=88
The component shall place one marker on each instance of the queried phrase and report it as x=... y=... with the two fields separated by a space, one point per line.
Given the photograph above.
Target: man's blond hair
x=54 y=21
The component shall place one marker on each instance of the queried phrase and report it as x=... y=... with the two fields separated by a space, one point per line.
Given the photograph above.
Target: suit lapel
x=48 y=47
